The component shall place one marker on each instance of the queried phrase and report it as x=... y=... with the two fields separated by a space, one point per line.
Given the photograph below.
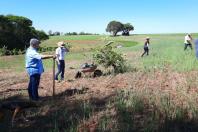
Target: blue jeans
x=61 y=69
x=33 y=86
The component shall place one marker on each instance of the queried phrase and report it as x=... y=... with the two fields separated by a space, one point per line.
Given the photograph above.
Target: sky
x=147 y=16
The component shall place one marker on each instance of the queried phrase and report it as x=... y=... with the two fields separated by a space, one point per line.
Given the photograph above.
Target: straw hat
x=61 y=44
x=147 y=37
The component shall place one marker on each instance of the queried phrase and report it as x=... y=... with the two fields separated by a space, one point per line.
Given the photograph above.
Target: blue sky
x=147 y=16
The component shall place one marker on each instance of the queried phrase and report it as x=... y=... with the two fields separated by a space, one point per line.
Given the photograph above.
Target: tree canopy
x=114 y=27
x=16 y=32
x=127 y=28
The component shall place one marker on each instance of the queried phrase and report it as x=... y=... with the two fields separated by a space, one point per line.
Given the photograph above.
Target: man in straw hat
x=146 y=46
x=60 y=59
x=34 y=67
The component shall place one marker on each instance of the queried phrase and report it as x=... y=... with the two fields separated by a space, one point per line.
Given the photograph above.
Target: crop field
x=159 y=92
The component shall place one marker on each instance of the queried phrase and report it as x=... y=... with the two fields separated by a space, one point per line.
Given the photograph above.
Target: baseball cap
x=34 y=41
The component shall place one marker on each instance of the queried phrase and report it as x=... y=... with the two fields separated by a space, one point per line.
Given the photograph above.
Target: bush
x=20 y=52
x=68 y=46
x=14 y=52
x=3 y=50
x=109 y=58
x=49 y=49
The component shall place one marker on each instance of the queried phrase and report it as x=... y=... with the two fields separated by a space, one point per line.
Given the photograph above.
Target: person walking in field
x=60 y=59
x=187 y=41
x=196 y=48
x=34 y=67
x=146 y=47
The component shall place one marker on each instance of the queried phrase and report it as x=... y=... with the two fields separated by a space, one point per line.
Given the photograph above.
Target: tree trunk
x=115 y=33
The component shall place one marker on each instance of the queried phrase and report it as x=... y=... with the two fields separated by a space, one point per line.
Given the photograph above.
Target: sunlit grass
x=165 y=49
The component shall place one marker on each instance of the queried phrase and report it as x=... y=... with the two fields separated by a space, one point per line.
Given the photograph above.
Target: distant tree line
x=56 y=33
x=16 y=32
x=115 y=26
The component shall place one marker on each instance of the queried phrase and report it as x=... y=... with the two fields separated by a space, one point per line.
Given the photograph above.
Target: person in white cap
x=187 y=41
x=60 y=59
x=34 y=67
x=146 y=47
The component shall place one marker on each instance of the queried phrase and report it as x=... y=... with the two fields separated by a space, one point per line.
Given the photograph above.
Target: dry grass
x=153 y=88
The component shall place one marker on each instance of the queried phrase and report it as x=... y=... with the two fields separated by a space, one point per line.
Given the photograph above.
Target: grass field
x=160 y=93
x=165 y=49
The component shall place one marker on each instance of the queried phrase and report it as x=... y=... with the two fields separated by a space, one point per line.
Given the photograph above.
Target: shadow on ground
x=59 y=113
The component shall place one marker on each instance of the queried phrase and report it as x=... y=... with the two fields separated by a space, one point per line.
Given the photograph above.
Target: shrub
x=14 y=52
x=20 y=52
x=3 y=50
x=109 y=58
x=68 y=46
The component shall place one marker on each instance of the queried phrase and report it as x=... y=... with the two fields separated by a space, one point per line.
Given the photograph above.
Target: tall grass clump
x=3 y=51
x=69 y=119
x=141 y=110
x=127 y=105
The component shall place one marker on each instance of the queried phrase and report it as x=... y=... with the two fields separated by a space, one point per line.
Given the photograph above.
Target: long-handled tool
x=53 y=86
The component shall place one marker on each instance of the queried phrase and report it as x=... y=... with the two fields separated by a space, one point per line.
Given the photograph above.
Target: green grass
x=54 y=39
x=166 y=49
x=16 y=63
x=170 y=51
x=125 y=43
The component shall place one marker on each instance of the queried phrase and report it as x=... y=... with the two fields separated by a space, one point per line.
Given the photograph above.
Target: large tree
x=114 y=27
x=16 y=31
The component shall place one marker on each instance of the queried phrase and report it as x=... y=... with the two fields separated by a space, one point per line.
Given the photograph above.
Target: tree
x=5 y=24
x=114 y=27
x=16 y=32
x=50 y=33
x=42 y=35
x=127 y=28
x=56 y=33
x=82 y=33
x=20 y=20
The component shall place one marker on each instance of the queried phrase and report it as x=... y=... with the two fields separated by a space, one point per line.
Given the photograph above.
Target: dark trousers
x=187 y=45
x=33 y=86
x=146 y=51
x=61 y=69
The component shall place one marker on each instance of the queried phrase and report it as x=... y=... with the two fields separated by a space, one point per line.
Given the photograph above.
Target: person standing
x=187 y=41
x=146 y=47
x=196 y=48
x=34 y=67
x=60 y=59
